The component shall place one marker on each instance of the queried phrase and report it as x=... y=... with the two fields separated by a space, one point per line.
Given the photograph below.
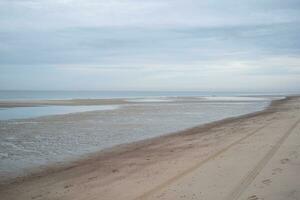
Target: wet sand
x=71 y=102
x=256 y=156
x=116 y=101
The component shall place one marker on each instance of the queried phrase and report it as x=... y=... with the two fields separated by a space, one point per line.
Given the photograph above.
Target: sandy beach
x=256 y=156
x=149 y=100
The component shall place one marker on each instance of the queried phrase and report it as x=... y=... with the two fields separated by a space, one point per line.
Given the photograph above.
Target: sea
x=52 y=95
x=32 y=138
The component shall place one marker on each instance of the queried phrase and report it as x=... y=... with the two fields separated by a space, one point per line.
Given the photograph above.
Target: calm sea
x=42 y=95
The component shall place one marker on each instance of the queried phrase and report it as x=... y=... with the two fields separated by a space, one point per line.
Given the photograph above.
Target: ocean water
x=41 y=95
x=33 y=143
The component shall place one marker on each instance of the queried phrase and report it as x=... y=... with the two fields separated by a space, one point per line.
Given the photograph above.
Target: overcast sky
x=211 y=45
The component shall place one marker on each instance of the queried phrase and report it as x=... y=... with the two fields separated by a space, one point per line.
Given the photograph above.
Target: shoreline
x=114 y=101
x=122 y=164
x=65 y=161
x=111 y=151
x=69 y=102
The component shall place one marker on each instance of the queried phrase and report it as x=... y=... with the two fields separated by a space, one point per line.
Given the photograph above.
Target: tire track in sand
x=196 y=166
x=251 y=175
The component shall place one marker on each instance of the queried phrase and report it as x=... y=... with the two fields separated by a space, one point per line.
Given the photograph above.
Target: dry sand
x=251 y=157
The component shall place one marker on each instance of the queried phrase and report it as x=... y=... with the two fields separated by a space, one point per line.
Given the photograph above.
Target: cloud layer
x=150 y=45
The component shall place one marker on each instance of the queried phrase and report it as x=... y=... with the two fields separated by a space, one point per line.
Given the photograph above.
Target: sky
x=211 y=45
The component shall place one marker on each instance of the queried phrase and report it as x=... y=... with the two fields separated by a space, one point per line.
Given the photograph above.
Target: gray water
x=36 y=142
x=32 y=112
x=42 y=95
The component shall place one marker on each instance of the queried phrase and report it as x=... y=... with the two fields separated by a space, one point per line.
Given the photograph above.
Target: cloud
x=153 y=42
x=140 y=46
x=56 y=14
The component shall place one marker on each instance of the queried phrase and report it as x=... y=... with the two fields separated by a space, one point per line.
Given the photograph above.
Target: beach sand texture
x=252 y=157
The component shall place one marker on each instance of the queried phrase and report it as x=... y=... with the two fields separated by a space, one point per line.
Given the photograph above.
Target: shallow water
x=32 y=112
x=29 y=143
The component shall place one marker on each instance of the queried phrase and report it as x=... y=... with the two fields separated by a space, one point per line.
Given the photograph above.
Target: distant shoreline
x=52 y=96
x=72 y=102
x=108 y=101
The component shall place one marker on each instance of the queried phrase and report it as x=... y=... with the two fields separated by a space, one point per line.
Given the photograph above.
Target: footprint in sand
x=267 y=181
x=114 y=170
x=92 y=178
x=68 y=186
x=253 y=197
x=276 y=171
x=284 y=161
x=37 y=197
